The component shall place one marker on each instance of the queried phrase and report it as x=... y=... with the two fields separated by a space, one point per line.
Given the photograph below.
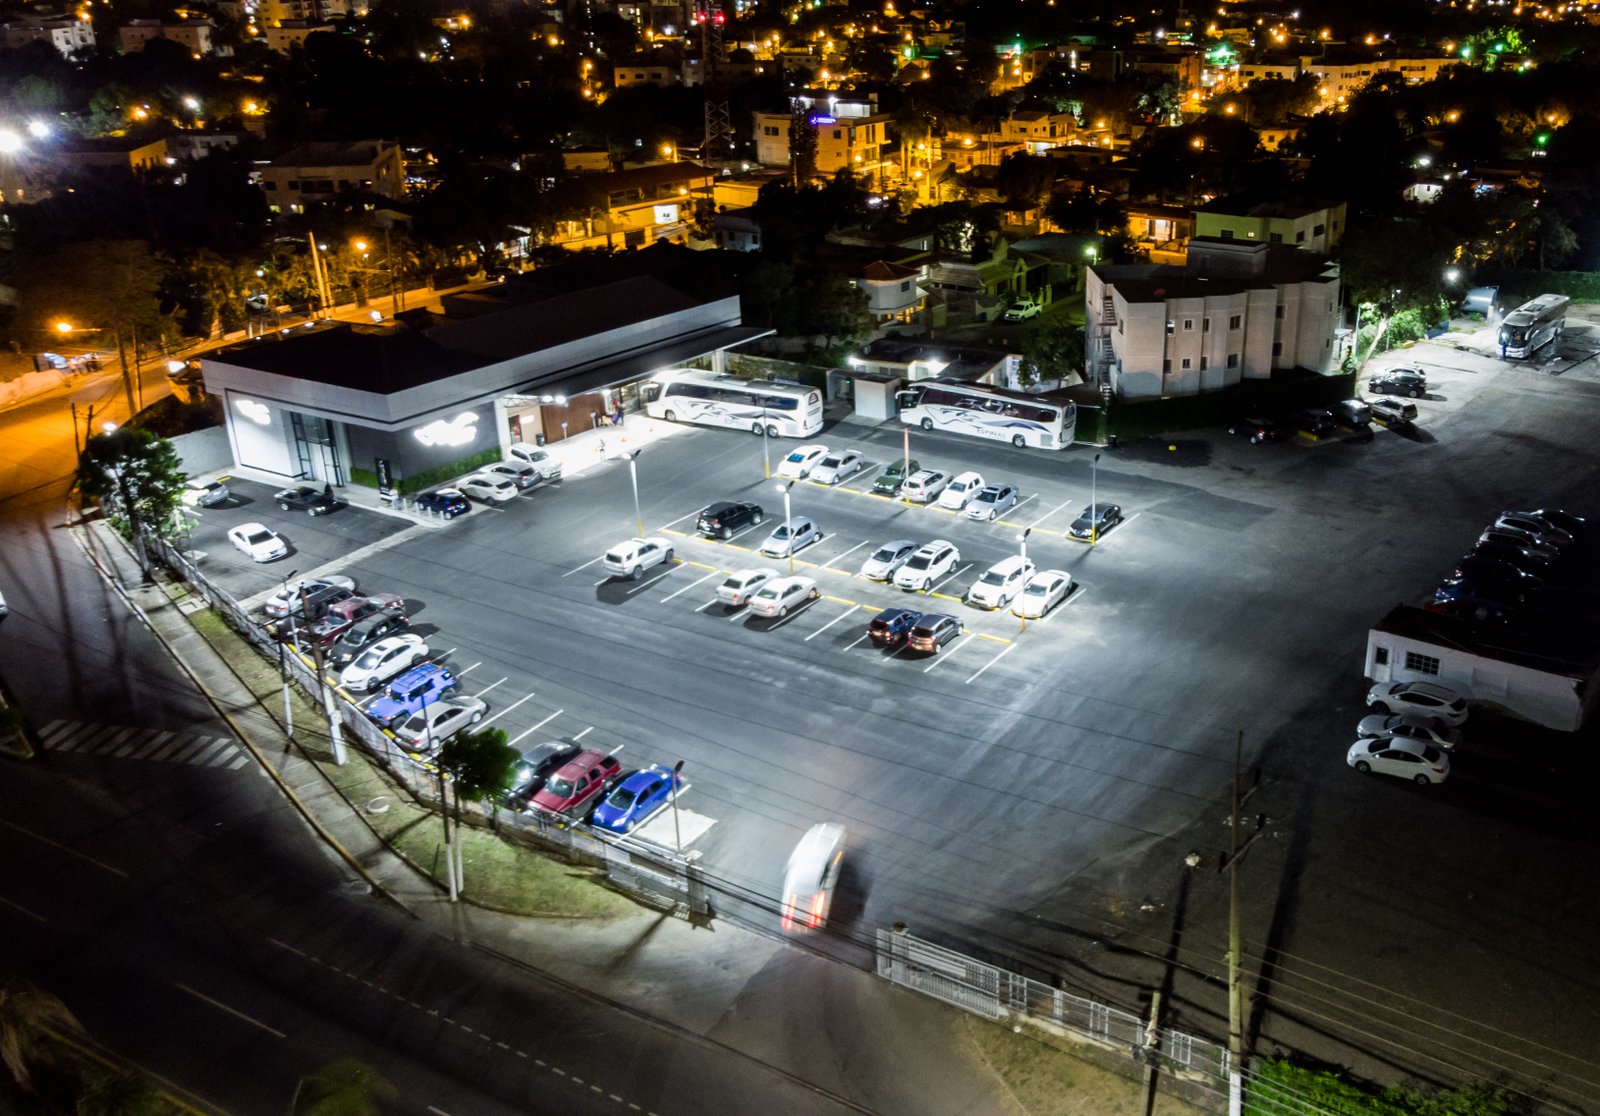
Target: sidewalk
x=837 y=1027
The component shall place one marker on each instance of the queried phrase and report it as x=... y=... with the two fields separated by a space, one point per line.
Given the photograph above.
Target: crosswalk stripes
x=158 y=745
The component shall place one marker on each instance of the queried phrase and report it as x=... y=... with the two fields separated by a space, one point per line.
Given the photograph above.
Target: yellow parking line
x=700 y=565
x=735 y=546
x=1008 y=523
x=839 y=600
x=1074 y=538
x=941 y=511
x=997 y=639
x=945 y=597
x=674 y=531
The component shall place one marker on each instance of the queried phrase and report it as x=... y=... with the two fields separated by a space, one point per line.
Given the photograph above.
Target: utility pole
x=335 y=733
x=1236 y=853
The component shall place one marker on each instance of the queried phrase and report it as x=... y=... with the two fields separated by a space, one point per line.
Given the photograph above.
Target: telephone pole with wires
x=1236 y=853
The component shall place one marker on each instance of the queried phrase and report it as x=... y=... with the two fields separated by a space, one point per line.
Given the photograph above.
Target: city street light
x=1022 y=550
x=677 y=834
x=1094 y=500
x=283 y=660
x=788 y=516
x=633 y=474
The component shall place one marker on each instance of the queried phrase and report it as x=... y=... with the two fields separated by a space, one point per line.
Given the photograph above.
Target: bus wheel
x=772 y=431
x=1019 y=441
x=927 y=424
x=755 y=428
x=670 y=416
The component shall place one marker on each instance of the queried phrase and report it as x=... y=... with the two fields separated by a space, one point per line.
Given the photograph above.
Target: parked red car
x=578 y=784
x=347 y=612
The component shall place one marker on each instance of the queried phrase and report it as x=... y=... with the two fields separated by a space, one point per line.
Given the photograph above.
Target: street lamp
x=788 y=517
x=1022 y=551
x=633 y=474
x=283 y=659
x=1094 y=500
x=677 y=834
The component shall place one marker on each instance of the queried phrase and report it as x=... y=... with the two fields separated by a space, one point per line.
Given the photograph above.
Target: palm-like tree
x=31 y=1022
x=119 y=1094
x=343 y=1088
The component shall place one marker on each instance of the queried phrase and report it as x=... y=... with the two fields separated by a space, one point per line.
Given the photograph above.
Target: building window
x=906 y=286
x=1380 y=656
x=1166 y=366
x=1171 y=325
x=1186 y=364
x=1202 y=364
x=1319 y=230
x=1422 y=664
x=1226 y=234
x=1280 y=312
x=1188 y=325
x=838 y=133
x=1233 y=360
x=1234 y=321
x=1277 y=348
x=1300 y=237
x=1275 y=238
x=1205 y=325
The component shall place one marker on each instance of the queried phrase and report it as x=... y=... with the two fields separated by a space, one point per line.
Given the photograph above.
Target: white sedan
x=633 y=557
x=1416 y=760
x=258 y=541
x=489 y=488
x=961 y=491
x=1044 y=591
x=742 y=585
x=888 y=558
x=776 y=598
x=835 y=467
x=382 y=661
x=798 y=465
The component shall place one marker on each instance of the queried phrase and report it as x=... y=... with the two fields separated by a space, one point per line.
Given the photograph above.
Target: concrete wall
x=1543 y=697
x=204 y=451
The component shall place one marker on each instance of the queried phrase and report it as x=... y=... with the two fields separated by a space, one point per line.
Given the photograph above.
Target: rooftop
x=1558 y=653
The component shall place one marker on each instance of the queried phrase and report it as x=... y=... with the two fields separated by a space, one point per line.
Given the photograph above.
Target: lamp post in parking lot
x=633 y=475
x=283 y=662
x=1094 y=500
x=784 y=487
x=677 y=778
x=1022 y=551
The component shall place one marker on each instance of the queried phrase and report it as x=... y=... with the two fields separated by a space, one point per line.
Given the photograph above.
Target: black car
x=535 y=768
x=1493 y=571
x=1095 y=520
x=302 y=497
x=358 y=636
x=1315 y=420
x=1574 y=525
x=892 y=626
x=1258 y=430
x=1400 y=381
x=1515 y=555
x=444 y=501
x=720 y=521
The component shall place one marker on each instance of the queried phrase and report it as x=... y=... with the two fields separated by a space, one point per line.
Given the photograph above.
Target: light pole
x=788 y=520
x=283 y=660
x=335 y=736
x=1094 y=500
x=1022 y=551
x=905 y=462
x=633 y=475
x=677 y=834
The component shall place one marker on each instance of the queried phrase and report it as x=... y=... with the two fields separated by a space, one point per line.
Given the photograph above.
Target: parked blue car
x=635 y=799
x=407 y=694
x=447 y=502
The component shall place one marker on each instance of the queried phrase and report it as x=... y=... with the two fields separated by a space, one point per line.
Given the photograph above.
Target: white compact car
x=1044 y=591
x=382 y=661
x=961 y=491
x=258 y=541
x=1416 y=760
x=835 y=467
x=798 y=465
x=930 y=562
x=777 y=598
x=791 y=537
x=489 y=488
x=633 y=557
x=924 y=486
x=742 y=585
x=1001 y=582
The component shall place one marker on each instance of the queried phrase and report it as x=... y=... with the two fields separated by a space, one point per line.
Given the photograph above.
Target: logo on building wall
x=253 y=410
x=459 y=431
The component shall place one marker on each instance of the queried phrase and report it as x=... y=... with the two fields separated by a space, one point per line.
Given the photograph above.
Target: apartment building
x=1312 y=226
x=321 y=170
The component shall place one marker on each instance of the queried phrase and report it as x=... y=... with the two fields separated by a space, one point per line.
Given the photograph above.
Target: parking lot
x=1031 y=791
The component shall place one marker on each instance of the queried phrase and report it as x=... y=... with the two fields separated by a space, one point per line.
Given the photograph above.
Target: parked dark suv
x=302 y=497
x=1315 y=420
x=1400 y=381
x=891 y=627
x=1258 y=430
x=720 y=521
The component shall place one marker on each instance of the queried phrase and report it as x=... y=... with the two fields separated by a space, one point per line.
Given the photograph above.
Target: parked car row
x=564 y=778
x=1411 y=732
x=1506 y=569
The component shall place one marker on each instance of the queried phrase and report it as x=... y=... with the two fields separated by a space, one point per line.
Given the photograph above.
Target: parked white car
x=777 y=598
x=542 y=461
x=1044 y=591
x=1022 y=310
x=836 y=466
x=632 y=557
x=791 y=537
x=1001 y=582
x=198 y=492
x=258 y=542
x=742 y=585
x=800 y=462
x=488 y=488
x=382 y=661
x=888 y=558
x=924 y=485
x=1411 y=727
x=1425 y=698
x=1416 y=760
x=961 y=490
x=930 y=562
x=992 y=501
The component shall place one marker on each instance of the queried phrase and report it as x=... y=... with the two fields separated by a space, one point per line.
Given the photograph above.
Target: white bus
x=988 y=412
x=1533 y=325
x=693 y=395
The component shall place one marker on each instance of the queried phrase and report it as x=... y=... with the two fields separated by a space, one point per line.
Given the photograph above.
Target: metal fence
x=997 y=994
x=656 y=874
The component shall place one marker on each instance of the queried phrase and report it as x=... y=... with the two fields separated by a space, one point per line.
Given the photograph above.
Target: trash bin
x=538 y=439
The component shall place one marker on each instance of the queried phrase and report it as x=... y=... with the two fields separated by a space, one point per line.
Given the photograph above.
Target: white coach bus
x=1532 y=326
x=988 y=412
x=693 y=395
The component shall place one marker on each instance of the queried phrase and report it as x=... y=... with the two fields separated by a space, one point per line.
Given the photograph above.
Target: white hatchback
x=742 y=585
x=961 y=490
x=798 y=465
x=777 y=598
x=1001 y=582
x=1044 y=591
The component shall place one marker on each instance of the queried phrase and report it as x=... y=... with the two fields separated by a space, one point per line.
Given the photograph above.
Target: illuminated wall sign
x=820 y=119
x=666 y=214
x=252 y=410
x=459 y=431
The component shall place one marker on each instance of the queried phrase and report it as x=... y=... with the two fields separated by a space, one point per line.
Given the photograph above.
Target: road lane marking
x=708 y=604
x=157 y=741
x=491 y=719
x=643 y=585
x=847 y=553
x=688 y=587
x=442 y=1112
x=536 y=727
x=585 y=566
x=19 y=907
x=831 y=623
x=941 y=656
x=219 y=1005
x=858 y=639
x=65 y=849
x=1010 y=647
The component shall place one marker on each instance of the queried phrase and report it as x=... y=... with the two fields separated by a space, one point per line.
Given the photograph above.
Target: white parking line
x=947 y=578
x=834 y=559
x=740 y=614
x=681 y=518
x=465 y=670
x=941 y=656
x=491 y=719
x=858 y=639
x=643 y=585
x=586 y=565
x=536 y=727
x=1048 y=514
x=831 y=623
x=586 y=732
x=799 y=610
x=487 y=688
x=1008 y=649
x=691 y=585
x=708 y=604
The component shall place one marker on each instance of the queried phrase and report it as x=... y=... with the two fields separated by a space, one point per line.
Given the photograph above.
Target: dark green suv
x=889 y=482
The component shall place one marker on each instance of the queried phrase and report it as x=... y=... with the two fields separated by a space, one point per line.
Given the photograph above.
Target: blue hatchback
x=445 y=501
x=635 y=799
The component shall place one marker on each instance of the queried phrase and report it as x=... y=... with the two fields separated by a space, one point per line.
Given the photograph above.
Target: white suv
x=961 y=491
x=931 y=562
x=1001 y=582
x=924 y=486
x=545 y=463
x=632 y=558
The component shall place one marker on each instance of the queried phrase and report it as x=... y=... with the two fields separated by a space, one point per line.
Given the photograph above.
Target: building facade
x=1313 y=226
x=320 y=171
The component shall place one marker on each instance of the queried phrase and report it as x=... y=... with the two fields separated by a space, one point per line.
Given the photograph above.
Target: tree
x=139 y=476
x=120 y=1094
x=1051 y=350
x=344 y=1088
x=802 y=144
x=1023 y=180
x=30 y=1022
x=481 y=766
